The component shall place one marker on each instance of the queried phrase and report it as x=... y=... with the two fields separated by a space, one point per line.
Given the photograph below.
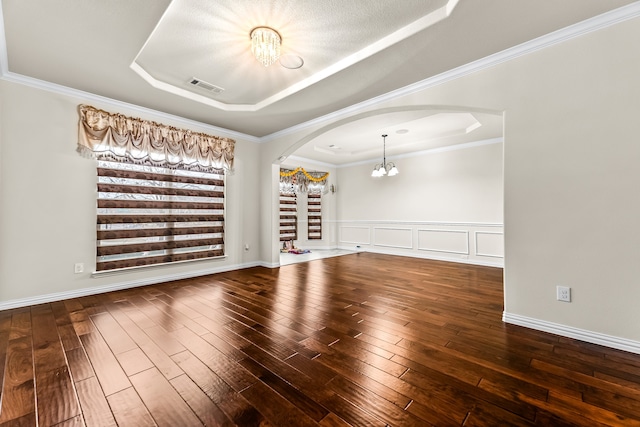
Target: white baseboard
x=76 y=293
x=492 y=263
x=571 y=332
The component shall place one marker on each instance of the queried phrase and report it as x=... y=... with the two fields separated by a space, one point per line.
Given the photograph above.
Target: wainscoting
x=472 y=243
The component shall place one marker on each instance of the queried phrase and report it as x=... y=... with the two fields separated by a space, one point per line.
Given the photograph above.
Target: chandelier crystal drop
x=265 y=45
x=384 y=168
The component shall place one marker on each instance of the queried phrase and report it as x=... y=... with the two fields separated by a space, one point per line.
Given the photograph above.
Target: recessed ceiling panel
x=408 y=131
x=210 y=40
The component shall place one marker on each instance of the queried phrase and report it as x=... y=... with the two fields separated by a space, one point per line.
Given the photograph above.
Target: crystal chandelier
x=384 y=168
x=265 y=45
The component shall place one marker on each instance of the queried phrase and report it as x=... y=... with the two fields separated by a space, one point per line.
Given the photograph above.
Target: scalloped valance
x=300 y=181
x=108 y=136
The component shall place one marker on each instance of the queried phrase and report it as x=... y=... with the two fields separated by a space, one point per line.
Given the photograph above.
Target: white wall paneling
x=358 y=235
x=489 y=243
x=450 y=241
x=401 y=238
x=447 y=241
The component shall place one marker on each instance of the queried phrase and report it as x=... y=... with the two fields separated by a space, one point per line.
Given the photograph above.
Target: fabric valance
x=108 y=136
x=300 y=181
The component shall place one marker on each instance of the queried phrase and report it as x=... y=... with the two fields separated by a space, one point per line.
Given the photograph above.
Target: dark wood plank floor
x=359 y=340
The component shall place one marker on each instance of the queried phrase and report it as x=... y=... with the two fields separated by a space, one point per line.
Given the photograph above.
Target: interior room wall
x=570 y=178
x=457 y=185
x=444 y=204
x=570 y=186
x=48 y=199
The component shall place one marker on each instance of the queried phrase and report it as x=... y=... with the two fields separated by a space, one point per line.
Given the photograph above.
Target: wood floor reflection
x=360 y=339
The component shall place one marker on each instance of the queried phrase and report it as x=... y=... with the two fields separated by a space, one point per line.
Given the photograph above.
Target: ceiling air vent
x=206 y=86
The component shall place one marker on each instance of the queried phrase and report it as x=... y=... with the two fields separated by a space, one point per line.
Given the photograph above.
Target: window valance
x=108 y=136
x=300 y=181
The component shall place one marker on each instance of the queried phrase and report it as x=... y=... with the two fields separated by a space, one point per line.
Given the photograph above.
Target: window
x=151 y=215
x=299 y=181
x=161 y=190
x=288 y=217
x=314 y=213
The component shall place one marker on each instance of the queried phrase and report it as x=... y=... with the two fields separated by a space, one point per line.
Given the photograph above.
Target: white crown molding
x=103 y=100
x=59 y=296
x=596 y=23
x=590 y=25
x=571 y=332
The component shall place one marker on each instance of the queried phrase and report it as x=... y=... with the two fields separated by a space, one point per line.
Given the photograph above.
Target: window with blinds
x=152 y=215
x=314 y=213
x=288 y=217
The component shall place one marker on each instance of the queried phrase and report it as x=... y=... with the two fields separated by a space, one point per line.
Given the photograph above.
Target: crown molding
x=590 y=25
x=85 y=97
x=587 y=26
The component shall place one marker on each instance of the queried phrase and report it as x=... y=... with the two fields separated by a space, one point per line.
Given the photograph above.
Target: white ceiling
x=144 y=52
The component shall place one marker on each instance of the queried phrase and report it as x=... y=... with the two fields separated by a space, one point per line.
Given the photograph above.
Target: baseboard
x=497 y=263
x=76 y=293
x=571 y=332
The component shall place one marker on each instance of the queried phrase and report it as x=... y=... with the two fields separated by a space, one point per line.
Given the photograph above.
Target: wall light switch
x=78 y=268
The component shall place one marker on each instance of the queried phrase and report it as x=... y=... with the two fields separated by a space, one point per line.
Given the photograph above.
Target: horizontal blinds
x=288 y=217
x=150 y=215
x=314 y=212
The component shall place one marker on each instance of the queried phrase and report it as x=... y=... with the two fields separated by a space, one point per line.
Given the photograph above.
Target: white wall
x=48 y=199
x=571 y=203
x=443 y=205
x=571 y=199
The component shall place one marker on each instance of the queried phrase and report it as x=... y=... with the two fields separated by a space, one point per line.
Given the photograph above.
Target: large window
x=150 y=215
x=160 y=190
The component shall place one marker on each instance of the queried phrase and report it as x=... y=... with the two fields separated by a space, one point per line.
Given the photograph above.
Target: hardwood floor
x=359 y=340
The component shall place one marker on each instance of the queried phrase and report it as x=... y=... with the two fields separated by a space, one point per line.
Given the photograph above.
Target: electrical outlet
x=563 y=293
x=78 y=268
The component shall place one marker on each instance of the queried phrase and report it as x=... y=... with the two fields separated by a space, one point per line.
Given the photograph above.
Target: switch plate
x=78 y=268
x=563 y=293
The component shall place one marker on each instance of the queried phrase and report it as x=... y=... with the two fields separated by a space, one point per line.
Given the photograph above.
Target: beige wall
x=444 y=205
x=571 y=152
x=48 y=199
x=463 y=185
x=571 y=202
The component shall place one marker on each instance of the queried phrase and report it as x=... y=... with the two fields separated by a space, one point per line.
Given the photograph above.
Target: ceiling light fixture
x=384 y=168
x=265 y=45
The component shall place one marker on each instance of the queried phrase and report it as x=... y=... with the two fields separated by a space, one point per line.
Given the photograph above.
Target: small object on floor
x=299 y=251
